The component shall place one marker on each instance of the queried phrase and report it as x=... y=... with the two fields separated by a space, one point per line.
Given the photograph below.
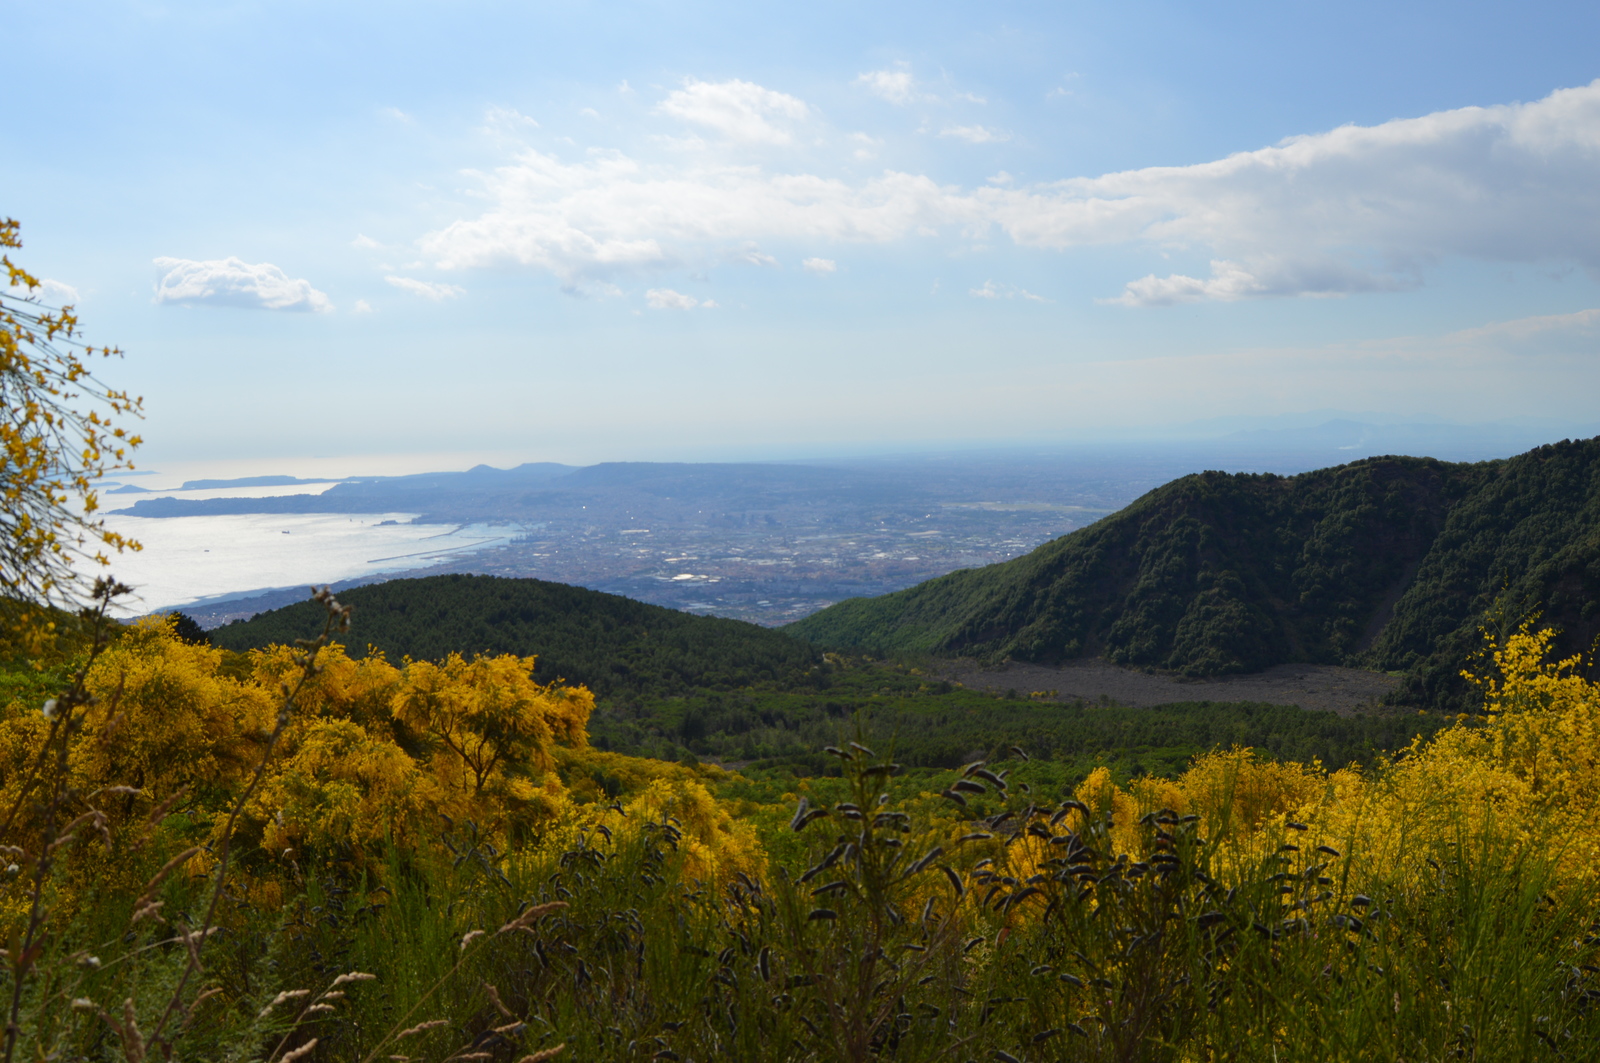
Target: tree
x=57 y=436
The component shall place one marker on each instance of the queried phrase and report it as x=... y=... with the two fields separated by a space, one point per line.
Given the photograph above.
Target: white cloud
x=752 y=255
x=820 y=265
x=398 y=115
x=232 y=282
x=1359 y=208
x=976 y=134
x=991 y=290
x=1351 y=210
x=427 y=289
x=366 y=243
x=362 y=307
x=867 y=146
x=740 y=110
x=667 y=299
x=507 y=121
x=896 y=86
x=49 y=292
x=611 y=214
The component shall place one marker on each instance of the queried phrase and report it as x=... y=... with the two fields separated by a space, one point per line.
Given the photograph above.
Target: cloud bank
x=233 y=282
x=1354 y=209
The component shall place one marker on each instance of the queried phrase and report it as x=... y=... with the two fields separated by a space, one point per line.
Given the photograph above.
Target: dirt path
x=1310 y=686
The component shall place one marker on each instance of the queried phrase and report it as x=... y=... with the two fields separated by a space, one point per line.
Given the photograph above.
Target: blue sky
x=580 y=232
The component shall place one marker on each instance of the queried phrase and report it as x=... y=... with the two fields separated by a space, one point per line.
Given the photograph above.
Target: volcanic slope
x=1388 y=563
x=611 y=644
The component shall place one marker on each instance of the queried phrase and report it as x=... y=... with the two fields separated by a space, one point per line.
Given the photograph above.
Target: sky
x=424 y=234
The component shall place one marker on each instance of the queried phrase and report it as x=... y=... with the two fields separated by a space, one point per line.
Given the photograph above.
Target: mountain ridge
x=1391 y=563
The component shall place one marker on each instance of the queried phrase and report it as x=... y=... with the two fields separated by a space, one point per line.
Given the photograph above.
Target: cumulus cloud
x=363 y=307
x=975 y=134
x=1355 y=209
x=1360 y=208
x=740 y=110
x=49 y=292
x=667 y=299
x=896 y=86
x=365 y=243
x=427 y=289
x=611 y=214
x=820 y=265
x=233 y=282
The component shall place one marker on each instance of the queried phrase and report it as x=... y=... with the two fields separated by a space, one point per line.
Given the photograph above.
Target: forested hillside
x=1391 y=563
x=610 y=644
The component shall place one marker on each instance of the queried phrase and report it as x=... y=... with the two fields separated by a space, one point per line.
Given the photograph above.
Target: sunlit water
x=186 y=559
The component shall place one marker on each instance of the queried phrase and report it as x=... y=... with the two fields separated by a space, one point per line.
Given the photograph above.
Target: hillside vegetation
x=609 y=644
x=1388 y=563
x=313 y=858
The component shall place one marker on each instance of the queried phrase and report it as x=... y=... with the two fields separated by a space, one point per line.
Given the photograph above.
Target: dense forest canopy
x=610 y=644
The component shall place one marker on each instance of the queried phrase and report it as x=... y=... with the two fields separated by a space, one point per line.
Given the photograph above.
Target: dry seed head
x=494 y=997
x=132 y=1039
x=287 y=994
x=354 y=976
x=530 y=916
x=471 y=936
x=548 y=1053
x=432 y=1024
x=301 y=1052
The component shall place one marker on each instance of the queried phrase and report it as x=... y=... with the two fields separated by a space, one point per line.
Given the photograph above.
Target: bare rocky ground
x=1346 y=691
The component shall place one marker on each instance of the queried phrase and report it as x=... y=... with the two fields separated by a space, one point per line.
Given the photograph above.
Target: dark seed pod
x=823 y=913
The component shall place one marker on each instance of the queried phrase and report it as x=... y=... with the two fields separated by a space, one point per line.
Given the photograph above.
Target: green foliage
x=937 y=725
x=610 y=644
x=1390 y=563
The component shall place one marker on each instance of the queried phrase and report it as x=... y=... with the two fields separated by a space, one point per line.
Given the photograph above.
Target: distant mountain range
x=1388 y=563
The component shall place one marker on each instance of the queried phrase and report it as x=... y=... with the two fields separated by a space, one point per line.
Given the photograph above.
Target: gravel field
x=1310 y=686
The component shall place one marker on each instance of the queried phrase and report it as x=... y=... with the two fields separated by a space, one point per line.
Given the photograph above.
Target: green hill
x=1389 y=563
x=613 y=645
